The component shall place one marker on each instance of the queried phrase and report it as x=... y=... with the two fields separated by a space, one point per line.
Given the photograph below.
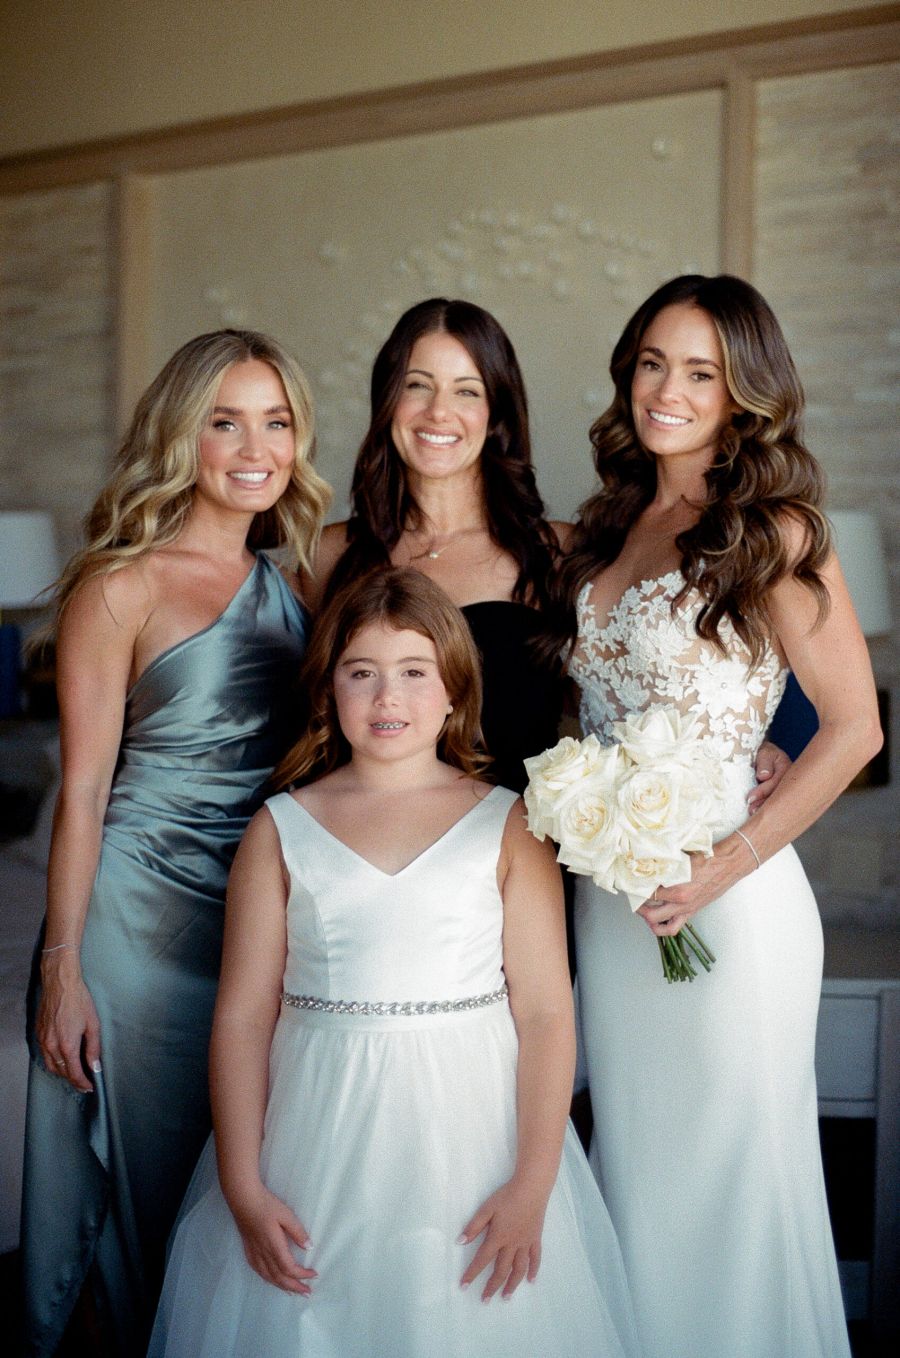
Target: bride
x=701 y=571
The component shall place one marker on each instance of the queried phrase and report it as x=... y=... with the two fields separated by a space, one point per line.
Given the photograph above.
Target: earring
x=449 y=709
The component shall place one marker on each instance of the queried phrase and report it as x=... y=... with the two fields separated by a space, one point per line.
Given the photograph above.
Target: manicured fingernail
x=96 y=1067
x=463 y=1286
x=462 y=1240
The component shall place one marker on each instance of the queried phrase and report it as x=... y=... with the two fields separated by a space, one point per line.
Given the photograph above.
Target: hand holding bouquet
x=629 y=815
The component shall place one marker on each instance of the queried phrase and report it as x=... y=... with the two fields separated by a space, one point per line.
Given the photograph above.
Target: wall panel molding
x=859 y=37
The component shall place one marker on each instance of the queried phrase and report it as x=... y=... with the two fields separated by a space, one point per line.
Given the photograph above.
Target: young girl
x=393 y=1041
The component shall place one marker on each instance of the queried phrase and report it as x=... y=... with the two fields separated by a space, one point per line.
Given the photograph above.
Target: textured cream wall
x=560 y=225
x=75 y=70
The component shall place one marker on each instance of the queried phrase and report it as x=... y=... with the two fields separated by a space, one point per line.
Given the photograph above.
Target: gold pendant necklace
x=432 y=553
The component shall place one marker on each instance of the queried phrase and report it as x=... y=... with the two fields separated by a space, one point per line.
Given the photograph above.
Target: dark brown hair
x=382 y=505
x=762 y=476
x=400 y=599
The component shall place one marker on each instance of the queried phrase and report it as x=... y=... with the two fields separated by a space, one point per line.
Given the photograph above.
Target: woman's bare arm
x=832 y=665
x=95 y=648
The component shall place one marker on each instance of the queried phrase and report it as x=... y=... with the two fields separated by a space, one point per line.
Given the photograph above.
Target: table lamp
x=28 y=564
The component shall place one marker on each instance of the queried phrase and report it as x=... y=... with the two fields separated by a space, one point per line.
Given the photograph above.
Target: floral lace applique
x=649 y=655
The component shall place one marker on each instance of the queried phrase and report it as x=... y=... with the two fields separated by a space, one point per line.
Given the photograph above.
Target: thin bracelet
x=56 y=947
x=750 y=847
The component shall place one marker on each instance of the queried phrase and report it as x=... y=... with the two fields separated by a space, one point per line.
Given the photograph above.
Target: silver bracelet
x=750 y=847
x=56 y=947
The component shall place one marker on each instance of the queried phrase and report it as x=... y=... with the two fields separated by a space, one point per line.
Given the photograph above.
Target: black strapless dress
x=522 y=699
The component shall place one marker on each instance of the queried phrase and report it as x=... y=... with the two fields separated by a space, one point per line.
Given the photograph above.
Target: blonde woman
x=177 y=646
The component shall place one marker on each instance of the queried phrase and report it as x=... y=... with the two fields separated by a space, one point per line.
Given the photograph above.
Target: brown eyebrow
x=405 y=660
x=423 y=372
x=235 y=410
x=658 y=353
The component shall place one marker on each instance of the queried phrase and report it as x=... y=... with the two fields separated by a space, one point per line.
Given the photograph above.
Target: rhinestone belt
x=390 y=1007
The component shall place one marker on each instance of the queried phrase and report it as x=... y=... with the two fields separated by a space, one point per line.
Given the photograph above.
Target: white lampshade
x=29 y=561
x=857 y=541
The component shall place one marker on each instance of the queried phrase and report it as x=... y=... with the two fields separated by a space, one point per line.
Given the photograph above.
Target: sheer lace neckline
x=647 y=654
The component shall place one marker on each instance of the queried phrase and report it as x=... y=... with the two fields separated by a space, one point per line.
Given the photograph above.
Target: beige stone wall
x=56 y=352
x=828 y=259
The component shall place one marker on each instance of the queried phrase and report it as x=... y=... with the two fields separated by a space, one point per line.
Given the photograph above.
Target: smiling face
x=390 y=698
x=247 y=446
x=680 y=401
x=442 y=416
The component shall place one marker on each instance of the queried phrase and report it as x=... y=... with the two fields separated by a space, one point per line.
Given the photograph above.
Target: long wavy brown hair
x=382 y=504
x=401 y=599
x=762 y=475
x=147 y=500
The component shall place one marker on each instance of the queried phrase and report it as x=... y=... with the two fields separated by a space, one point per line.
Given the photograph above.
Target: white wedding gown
x=385 y=1132
x=706 y=1140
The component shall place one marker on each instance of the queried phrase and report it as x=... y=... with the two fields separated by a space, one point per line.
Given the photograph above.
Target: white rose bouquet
x=629 y=815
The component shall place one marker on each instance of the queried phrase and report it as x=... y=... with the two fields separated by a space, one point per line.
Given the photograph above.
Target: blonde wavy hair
x=404 y=600
x=146 y=502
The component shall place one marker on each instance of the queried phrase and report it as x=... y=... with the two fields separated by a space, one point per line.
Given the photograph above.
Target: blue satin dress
x=105 y=1172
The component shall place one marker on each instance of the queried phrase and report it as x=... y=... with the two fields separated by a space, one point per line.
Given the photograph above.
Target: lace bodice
x=648 y=655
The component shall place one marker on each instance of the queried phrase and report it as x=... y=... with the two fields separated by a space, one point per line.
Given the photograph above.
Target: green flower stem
x=704 y=954
x=676 y=959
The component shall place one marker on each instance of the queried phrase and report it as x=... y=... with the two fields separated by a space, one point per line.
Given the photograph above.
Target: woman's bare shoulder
x=563 y=532
x=332 y=545
x=121 y=599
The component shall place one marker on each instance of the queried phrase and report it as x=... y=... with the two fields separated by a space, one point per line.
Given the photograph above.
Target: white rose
x=553 y=774
x=557 y=768
x=642 y=866
x=587 y=829
x=649 y=798
x=660 y=734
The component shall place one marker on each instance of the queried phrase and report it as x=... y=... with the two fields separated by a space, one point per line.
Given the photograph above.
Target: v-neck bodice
x=341 y=844
x=431 y=931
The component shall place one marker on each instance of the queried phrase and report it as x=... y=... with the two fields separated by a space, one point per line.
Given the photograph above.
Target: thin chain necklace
x=432 y=553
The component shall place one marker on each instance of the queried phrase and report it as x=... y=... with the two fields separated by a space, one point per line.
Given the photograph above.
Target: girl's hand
x=670 y=907
x=67 y=1022
x=267 y=1225
x=771 y=765
x=512 y=1219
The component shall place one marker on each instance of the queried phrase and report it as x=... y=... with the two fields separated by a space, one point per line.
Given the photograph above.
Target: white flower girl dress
x=391 y=1118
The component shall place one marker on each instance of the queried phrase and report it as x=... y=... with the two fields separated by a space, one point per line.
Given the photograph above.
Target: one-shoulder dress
x=105 y=1172
x=391 y=1117
x=706 y=1139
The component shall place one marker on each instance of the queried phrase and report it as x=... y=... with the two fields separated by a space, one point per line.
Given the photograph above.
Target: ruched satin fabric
x=105 y=1172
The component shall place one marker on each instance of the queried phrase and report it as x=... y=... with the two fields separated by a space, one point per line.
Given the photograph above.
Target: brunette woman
x=701 y=571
